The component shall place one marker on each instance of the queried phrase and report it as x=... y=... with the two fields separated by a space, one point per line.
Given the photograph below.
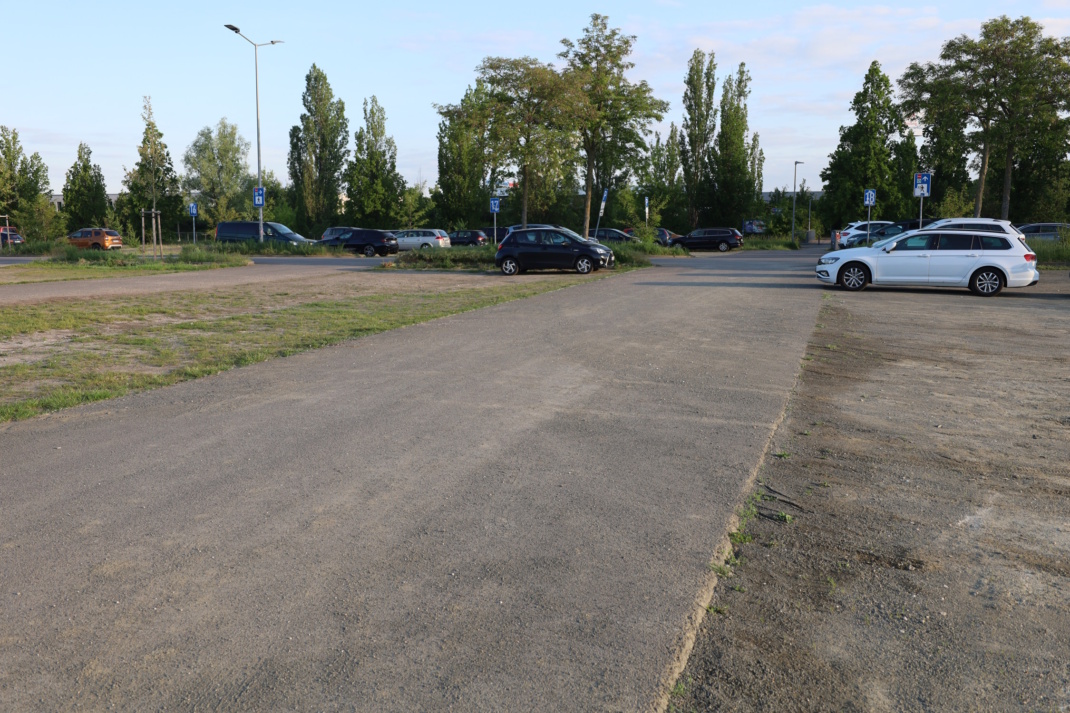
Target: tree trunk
x=524 y=197
x=587 y=200
x=1008 y=171
x=981 y=181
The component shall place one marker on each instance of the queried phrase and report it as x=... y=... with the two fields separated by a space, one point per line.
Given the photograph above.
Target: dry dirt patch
x=910 y=545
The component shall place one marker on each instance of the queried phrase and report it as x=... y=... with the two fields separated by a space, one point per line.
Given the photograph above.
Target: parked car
x=96 y=239
x=1044 y=231
x=663 y=236
x=612 y=235
x=549 y=249
x=364 y=241
x=474 y=238
x=9 y=236
x=242 y=231
x=891 y=230
x=985 y=225
x=857 y=231
x=723 y=239
x=335 y=232
x=493 y=235
x=983 y=261
x=422 y=238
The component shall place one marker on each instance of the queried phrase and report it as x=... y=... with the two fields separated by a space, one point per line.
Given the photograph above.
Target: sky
x=77 y=71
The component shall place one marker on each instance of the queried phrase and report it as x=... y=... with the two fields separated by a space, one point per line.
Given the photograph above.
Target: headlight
x=828 y=260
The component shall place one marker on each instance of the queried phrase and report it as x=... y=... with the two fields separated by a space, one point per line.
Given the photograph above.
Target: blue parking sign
x=495 y=205
x=193 y=210
x=923 y=183
x=869 y=197
x=258 y=197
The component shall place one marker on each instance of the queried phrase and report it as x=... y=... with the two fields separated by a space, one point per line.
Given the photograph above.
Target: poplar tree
x=374 y=188
x=697 y=131
x=318 y=153
x=85 y=198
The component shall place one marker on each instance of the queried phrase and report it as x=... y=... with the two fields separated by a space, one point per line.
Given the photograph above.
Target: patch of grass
x=718 y=610
x=108 y=348
x=1052 y=254
x=782 y=455
x=463 y=258
x=784 y=517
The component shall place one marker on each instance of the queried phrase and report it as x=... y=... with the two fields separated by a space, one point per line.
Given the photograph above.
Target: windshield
x=279 y=228
x=882 y=243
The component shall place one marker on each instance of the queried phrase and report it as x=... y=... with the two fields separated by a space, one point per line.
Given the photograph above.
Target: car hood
x=853 y=252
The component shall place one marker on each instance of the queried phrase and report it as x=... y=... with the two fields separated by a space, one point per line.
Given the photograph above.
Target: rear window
x=991 y=242
x=111 y=233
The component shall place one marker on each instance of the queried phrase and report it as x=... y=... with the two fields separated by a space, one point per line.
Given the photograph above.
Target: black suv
x=550 y=249
x=468 y=237
x=362 y=240
x=723 y=239
x=241 y=231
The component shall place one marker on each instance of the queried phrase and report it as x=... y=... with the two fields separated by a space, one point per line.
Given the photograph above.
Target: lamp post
x=256 y=69
x=794 y=176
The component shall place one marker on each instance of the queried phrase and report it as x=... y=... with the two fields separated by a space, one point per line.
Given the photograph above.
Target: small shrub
x=469 y=258
x=198 y=255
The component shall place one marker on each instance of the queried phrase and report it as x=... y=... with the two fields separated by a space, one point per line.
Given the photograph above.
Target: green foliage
x=532 y=110
x=318 y=152
x=217 y=167
x=85 y=199
x=415 y=206
x=24 y=190
x=465 y=173
x=151 y=183
x=660 y=179
x=613 y=113
x=737 y=161
x=468 y=258
x=374 y=188
x=864 y=157
x=697 y=132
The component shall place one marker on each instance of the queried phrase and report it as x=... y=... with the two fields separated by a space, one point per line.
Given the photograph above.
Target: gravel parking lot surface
x=911 y=549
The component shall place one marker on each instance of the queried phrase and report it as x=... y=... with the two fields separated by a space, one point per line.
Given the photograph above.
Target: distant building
x=57 y=200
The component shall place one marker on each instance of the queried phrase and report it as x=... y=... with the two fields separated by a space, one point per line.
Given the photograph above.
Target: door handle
x=926 y=255
x=972 y=255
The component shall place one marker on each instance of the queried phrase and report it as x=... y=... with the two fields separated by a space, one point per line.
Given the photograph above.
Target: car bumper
x=826 y=274
x=387 y=250
x=1023 y=278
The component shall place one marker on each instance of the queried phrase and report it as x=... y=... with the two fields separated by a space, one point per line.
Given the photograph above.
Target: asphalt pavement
x=508 y=509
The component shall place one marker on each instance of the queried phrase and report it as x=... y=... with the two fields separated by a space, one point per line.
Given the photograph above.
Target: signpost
x=869 y=199
x=647 y=203
x=495 y=208
x=258 y=202
x=601 y=212
x=923 y=184
x=193 y=214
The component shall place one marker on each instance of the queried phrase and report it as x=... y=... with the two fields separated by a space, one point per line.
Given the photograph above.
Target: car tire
x=854 y=276
x=584 y=265
x=425 y=246
x=510 y=267
x=987 y=282
x=723 y=246
x=369 y=251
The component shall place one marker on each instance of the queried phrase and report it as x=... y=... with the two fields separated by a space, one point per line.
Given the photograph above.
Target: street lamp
x=256 y=66
x=794 y=176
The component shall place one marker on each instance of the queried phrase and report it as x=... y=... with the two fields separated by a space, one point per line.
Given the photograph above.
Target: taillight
x=1030 y=257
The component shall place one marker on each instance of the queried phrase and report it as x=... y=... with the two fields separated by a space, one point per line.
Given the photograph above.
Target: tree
x=85 y=198
x=414 y=206
x=532 y=118
x=216 y=170
x=614 y=114
x=737 y=162
x=152 y=183
x=464 y=176
x=318 y=152
x=697 y=131
x=1004 y=82
x=373 y=185
x=24 y=189
x=659 y=178
x=863 y=158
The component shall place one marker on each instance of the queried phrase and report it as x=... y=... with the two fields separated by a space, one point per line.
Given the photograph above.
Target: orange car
x=96 y=239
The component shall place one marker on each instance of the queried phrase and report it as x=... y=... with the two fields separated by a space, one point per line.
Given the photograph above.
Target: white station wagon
x=986 y=260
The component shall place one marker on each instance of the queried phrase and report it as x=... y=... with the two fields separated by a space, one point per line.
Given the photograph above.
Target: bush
x=198 y=255
x=269 y=247
x=469 y=258
x=78 y=256
x=30 y=247
x=754 y=242
x=1051 y=251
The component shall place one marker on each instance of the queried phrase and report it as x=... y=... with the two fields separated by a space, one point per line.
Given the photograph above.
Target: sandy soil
x=924 y=467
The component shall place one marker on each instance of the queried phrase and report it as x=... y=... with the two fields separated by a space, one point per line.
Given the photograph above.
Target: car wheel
x=722 y=246
x=425 y=245
x=369 y=251
x=584 y=265
x=854 y=277
x=510 y=266
x=987 y=282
